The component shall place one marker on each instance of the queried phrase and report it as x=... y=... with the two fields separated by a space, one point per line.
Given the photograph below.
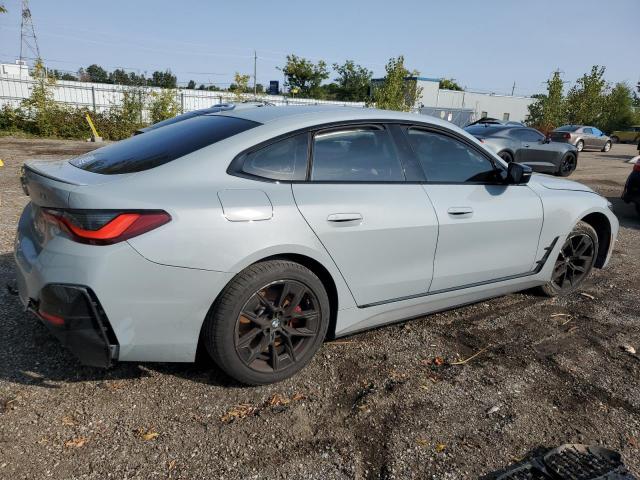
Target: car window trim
x=235 y=166
x=497 y=167
x=383 y=126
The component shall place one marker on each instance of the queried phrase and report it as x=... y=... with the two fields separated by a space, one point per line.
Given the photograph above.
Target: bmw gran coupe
x=259 y=233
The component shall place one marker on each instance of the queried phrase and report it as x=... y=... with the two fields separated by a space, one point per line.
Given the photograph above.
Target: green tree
x=191 y=85
x=3 y=9
x=450 y=84
x=164 y=79
x=119 y=77
x=353 y=82
x=549 y=110
x=58 y=75
x=163 y=105
x=95 y=73
x=398 y=91
x=618 y=111
x=304 y=75
x=40 y=107
x=586 y=99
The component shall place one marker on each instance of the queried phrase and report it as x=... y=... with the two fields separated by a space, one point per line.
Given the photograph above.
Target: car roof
x=329 y=113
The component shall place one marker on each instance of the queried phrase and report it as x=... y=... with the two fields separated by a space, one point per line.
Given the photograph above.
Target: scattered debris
x=422 y=442
x=440 y=447
x=462 y=362
x=629 y=349
x=76 y=442
x=588 y=295
x=147 y=435
x=239 y=411
x=69 y=421
x=493 y=409
x=277 y=402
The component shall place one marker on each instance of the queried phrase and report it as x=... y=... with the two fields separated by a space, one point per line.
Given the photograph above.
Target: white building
x=502 y=107
x=18 y=69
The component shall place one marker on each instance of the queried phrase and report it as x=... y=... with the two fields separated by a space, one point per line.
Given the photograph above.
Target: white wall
x=495 y=105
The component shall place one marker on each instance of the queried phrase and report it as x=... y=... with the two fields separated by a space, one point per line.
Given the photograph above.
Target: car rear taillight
x=636 y=167
x=566 y=136
x=105 y=227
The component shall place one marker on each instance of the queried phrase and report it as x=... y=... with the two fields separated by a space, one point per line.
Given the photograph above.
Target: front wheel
x=575 y=260
x=506 y=156
x=580 y=145
x=606 y=147
x=568 y=165
x=268 y=322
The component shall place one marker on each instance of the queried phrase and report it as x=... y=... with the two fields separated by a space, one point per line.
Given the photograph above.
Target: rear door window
x=163 y=145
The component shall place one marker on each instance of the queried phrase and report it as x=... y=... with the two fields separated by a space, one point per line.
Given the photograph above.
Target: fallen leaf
x=146 y=435
x=438 y=361
x=171 y=465
x=440 y=447
x=298 y=396
x=424 y=387
x=239 y=411
x=422 y=442
x=76 y=442
x=632 y=441
x=587 y=295
x=629 y=349
x=69 y=421
x=278 y=400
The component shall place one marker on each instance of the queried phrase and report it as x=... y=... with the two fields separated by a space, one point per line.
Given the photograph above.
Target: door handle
x=344 y=217
x=460 y=211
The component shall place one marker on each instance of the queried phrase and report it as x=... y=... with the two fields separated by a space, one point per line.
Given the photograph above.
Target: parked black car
x=631 y=192
x=521 y=144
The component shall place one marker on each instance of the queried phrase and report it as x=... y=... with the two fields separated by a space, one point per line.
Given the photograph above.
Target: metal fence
x=100 y=97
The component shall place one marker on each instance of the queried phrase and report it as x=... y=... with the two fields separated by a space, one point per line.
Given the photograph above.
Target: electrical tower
x=28 y=41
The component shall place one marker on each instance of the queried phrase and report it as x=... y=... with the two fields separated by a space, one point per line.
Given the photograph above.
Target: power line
x=28 y=39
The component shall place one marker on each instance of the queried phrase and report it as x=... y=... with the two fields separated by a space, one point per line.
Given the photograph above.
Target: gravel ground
x=383 y=404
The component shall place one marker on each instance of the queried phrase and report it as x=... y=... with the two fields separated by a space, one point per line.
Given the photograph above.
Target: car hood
x=553 y=183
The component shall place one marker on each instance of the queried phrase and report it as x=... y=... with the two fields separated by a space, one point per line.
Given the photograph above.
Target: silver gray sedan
x=259 y=233
x=582 y=137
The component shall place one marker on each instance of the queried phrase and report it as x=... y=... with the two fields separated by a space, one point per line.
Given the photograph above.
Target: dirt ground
x=374 y=405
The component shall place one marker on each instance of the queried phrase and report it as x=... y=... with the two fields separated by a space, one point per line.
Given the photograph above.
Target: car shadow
x=30 y=355
x=626 y=213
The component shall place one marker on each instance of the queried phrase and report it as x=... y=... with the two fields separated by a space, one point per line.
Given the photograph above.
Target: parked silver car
x=261 y=232
x=582 y=137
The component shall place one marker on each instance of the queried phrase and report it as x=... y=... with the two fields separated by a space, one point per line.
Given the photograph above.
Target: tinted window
x=283 y=160
x=527 y=135
x=484 y=130
x=588 y=131
x=157 y=147
x=355 y=155
x=445 y=159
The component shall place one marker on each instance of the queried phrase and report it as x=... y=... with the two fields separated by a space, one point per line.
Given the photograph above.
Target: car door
x=537 y=152
x=599 y=138
x=587 y=137
x=380 y=230
x=487 y=230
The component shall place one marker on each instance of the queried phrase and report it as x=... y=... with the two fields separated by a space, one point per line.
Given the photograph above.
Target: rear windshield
x=482 y=131
x=160 y=146
x=568 y=128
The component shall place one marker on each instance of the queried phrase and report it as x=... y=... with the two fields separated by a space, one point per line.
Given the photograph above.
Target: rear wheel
x=580 y=145
x=568 y=165
x=637 y=204
x=506 y=156
x=606 y=147
x=574 y=262
x=268 y=322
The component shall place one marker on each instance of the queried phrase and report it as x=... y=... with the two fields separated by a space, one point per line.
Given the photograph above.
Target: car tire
x=567 y=165
x=615 y=139
x=637 y=204
x=506 y=156
x=606 y=147
x=580 y=145
x=573 y=264
x=258 y=337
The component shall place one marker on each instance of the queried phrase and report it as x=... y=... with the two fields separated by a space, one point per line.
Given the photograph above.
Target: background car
x=631 y=192
x=582 y=137
x=627 y=135
x=258 y=233
x=528 y=146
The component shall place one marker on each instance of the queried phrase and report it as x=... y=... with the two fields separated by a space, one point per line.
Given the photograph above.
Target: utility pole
x=255 y=64
x=513 y=89
x=28 y=40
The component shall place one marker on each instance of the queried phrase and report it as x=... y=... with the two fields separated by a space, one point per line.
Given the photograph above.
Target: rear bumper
x=154 y=312
x=74 y=316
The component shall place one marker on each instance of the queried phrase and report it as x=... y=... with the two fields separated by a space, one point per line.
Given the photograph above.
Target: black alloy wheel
x=277 y=325
x=568 y=165
x=574 y=262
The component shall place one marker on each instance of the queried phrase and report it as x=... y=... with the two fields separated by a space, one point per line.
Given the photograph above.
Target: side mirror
x=518 y=174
